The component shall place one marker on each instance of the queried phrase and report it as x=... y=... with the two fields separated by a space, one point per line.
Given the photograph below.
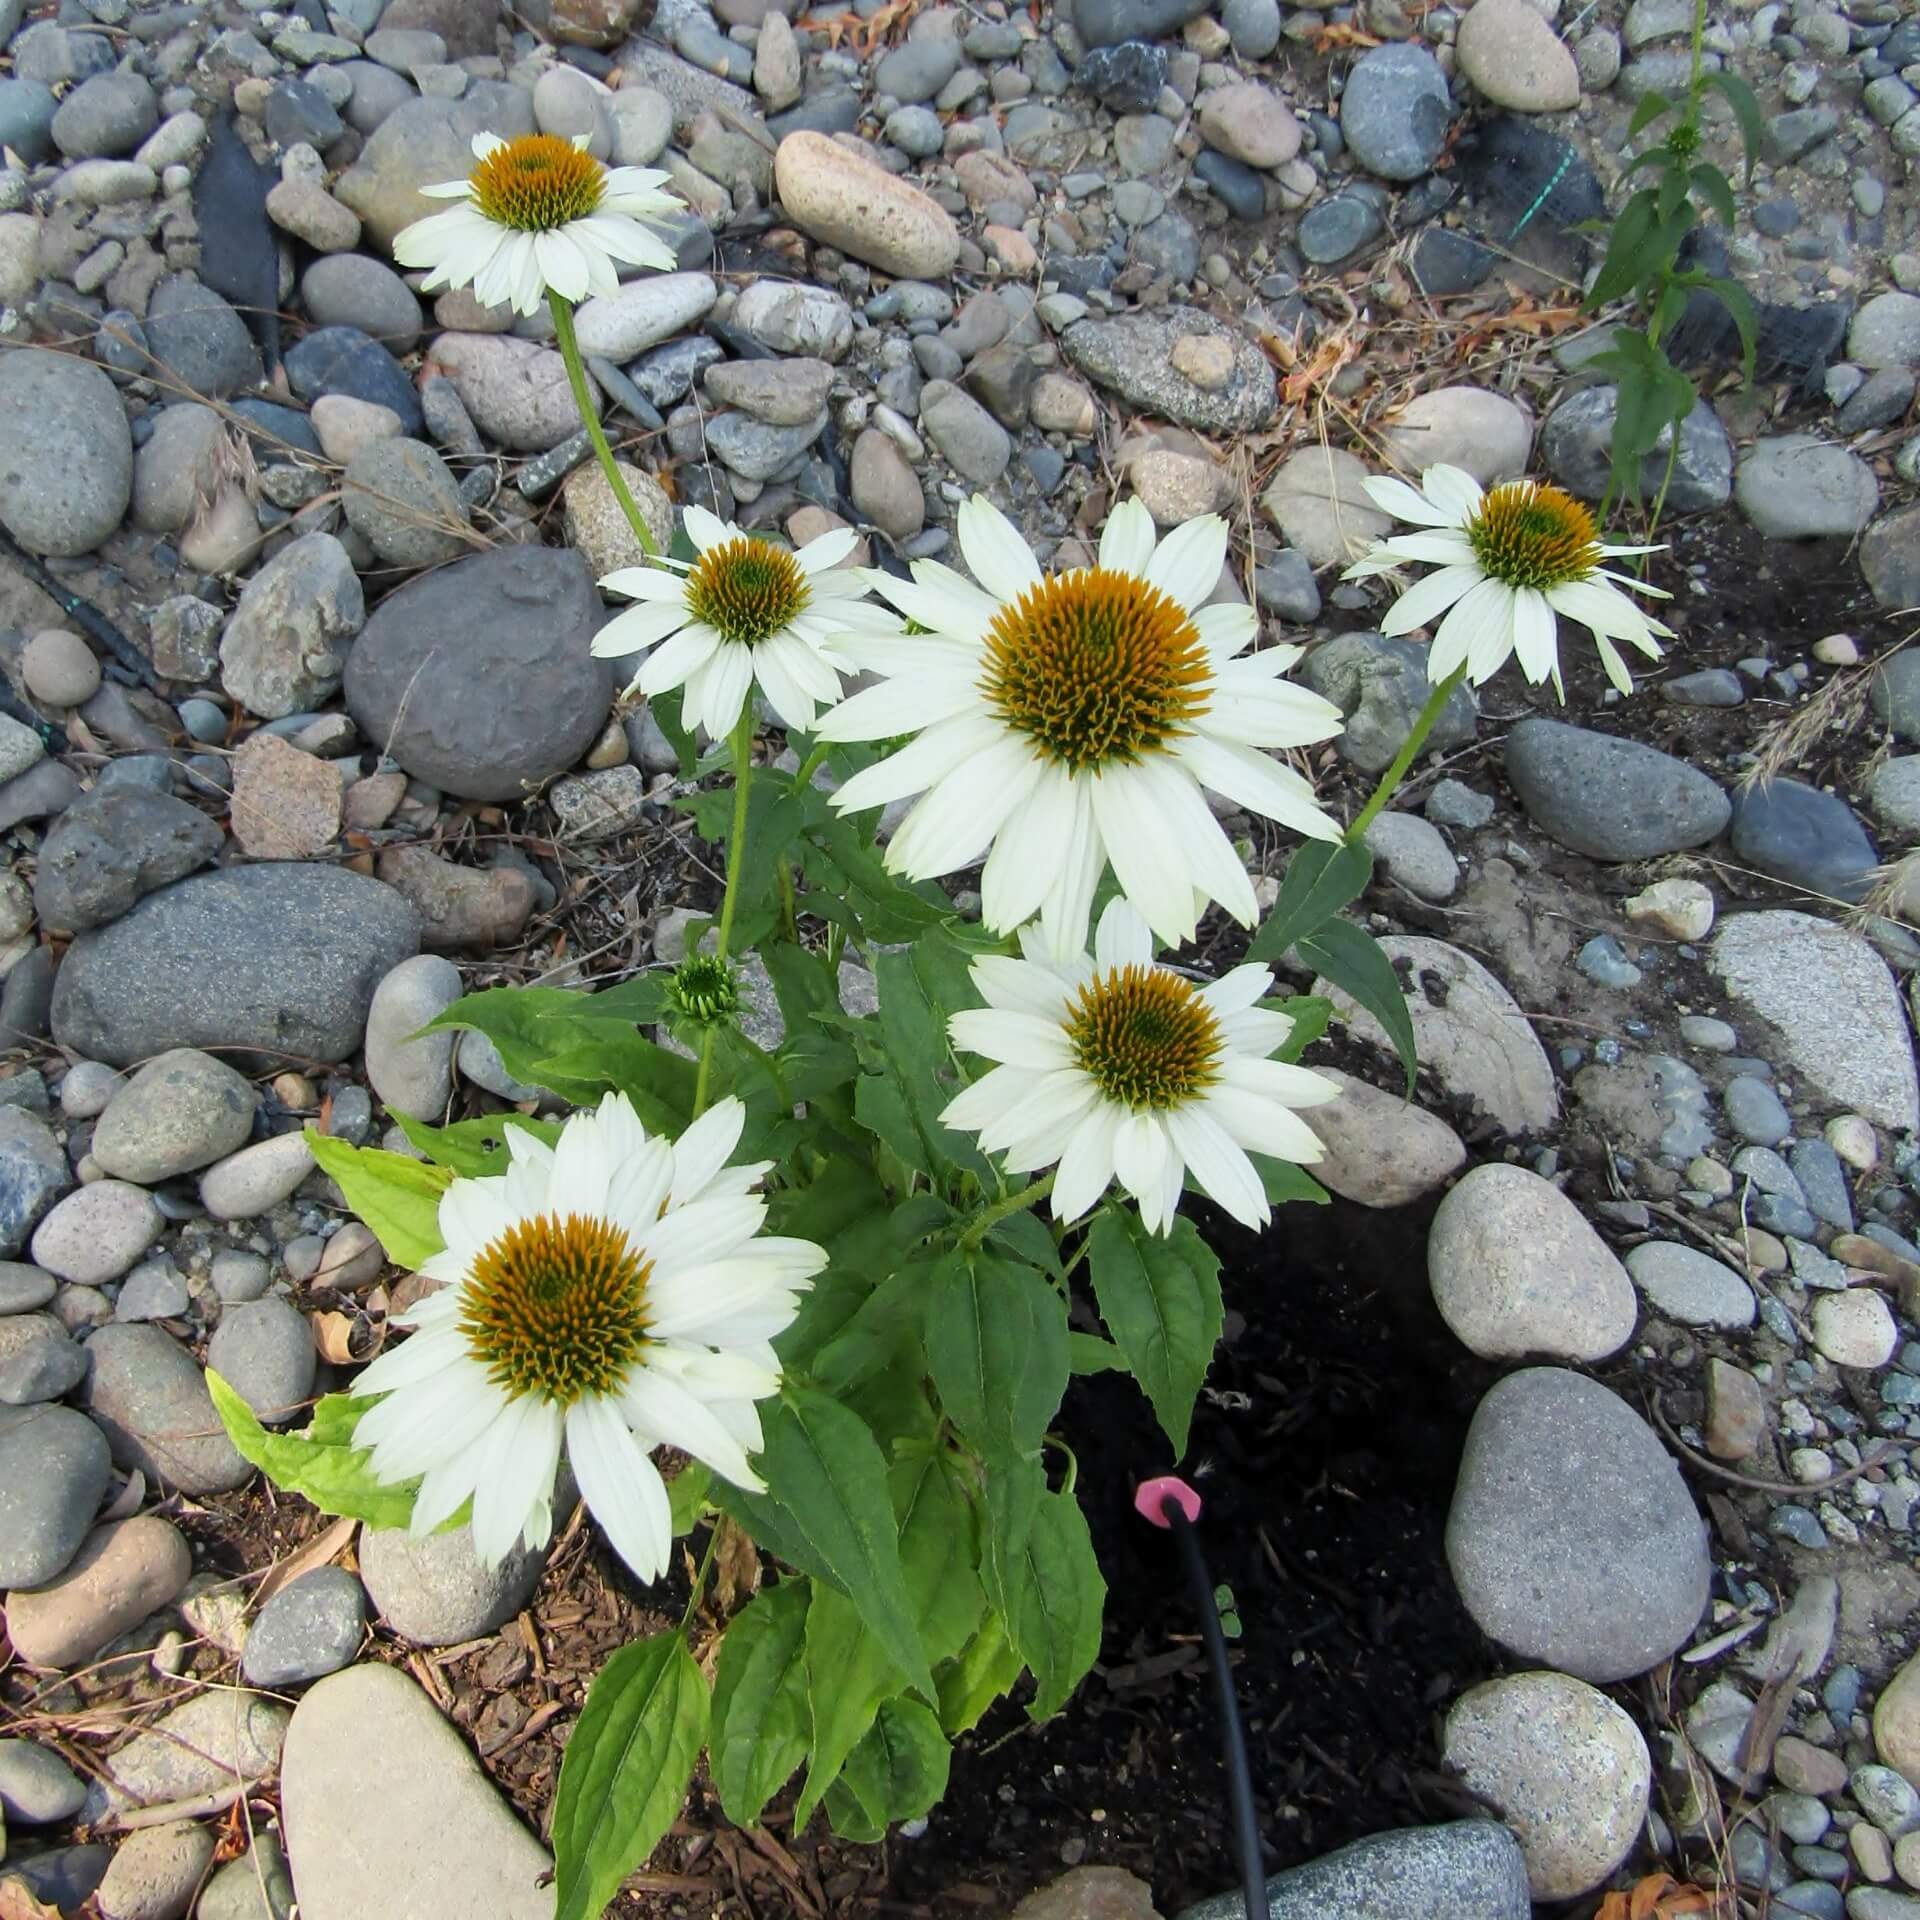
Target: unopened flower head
x=612 y=1292
x=1070 y=721
x=1115 y=1068
x=705 y=991
x=541 y=213
x=744 y=612
x=1510 y=559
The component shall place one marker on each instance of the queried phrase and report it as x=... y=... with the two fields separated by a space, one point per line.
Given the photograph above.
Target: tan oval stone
x=1896 y=1721
x=121 y=1574
x=1382 y=1150
x=1510 y=53
x=847 y=201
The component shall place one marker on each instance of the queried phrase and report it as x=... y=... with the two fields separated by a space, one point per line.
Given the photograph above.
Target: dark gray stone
x=435 y=1591
x=1895 y=692
x=1286 y=586
x=1125 y=77
x=1103 y=23
x=1807 y=838
x=66 y=1877
x=1890 y=559
x=1380 y=685
x=1170 y=246
x=33 y=1175
x=1576 y=446
x=54 y=1470
x=665 y=375
x=1132 y=354
x=37 y=1787
x=263 y=1350
x=1394 y=113
x=1446 y=261
x=312 y=1626
x=1468 y=1870
x=26 y=118
x=273 y=429
x=1710 y=687
x=105 y=116
x=1754 y=1112
x=478 y=678
x=345 y=360
x=297 y=110
x=200 y=340
x=150 y=1398
x=111 y=849
x=278 y=959
x=1824 y=1182
x=1338 y=227
x=1235 y=184
x=1608 y=798
x=1564 y=1491
x=27 y=998
x=66 y=454
x=43 y=1370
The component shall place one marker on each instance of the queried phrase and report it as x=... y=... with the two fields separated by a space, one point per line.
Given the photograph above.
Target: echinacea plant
x=846 y=1278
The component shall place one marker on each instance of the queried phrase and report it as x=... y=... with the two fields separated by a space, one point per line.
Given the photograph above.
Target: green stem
x=1028 y=1196
x=811 y=765
x=741 y=746
x=700 y=1578
x=583 y=400
x=789 y=901
x=1409 y=752
x=1699 y=61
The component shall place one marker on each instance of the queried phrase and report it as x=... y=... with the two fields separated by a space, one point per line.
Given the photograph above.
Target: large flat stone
x=444 y=1844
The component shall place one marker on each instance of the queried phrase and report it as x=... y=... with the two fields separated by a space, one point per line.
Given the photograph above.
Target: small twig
x=1877 y=1458
x=202 y=1804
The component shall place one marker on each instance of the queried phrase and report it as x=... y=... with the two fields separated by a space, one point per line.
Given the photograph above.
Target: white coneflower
x=612 y=1291
x=1114 y=1068
x=744 y=611
x=541 y=212
x=1070 y=722
x=1509 y=560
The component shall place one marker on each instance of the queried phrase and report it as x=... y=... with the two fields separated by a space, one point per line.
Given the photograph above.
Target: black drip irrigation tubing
x=1245 y=1821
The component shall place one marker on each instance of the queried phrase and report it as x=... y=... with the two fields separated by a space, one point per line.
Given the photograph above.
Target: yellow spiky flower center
x=747 y=590
x=1097 y=668
x=1532 y=536
x=537 y=183
x=556 y=1307
x=1144 y=1036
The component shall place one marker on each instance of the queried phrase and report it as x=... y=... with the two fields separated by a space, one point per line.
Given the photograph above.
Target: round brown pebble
x=59 y=668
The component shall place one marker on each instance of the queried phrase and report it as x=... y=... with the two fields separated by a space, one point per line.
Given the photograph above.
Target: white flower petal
x=1127 y=540
x=1002 y=562
x=1186 y=564
x=1426 y=599
x=1454 y=491
x=621 y=1486
x=1219 y=1164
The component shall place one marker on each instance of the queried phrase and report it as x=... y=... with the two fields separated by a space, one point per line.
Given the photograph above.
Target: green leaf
x=625 y=1772
x=1087 y=1353
x=985 y=1668
x=1160 y=1299
x=921 y=1065
x=997 y=1349
x=1284 y=1183
x=936 y=1552
x=900 y=1769
x=848 y=1675
x=848 y=883
x=762 y=1722
x=1051 y=1595
x=1746 y=110
x=321 y=1465
x=1353 y=960
x=1629 y=255
x=827 y=1512
x=1654 y=105
x=1323 y=877
x=1025 y=1237
x=1311 y=1013
x=397 y=1196
x=1739 y=303
x=687 y=1495
x=1653 y=157
x=1713 y=187
x=474 y=1149
x=1672 y=191
x=889 y=1317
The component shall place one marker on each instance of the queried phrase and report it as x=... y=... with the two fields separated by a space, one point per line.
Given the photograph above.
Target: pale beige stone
x=840 y=197
x=1382 y=1150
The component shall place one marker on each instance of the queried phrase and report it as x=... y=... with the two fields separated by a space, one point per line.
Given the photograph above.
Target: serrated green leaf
x=624 y=1776
x=762 y=1723
x=1653 y=106
x=1353 y=960
x=1714 y=188
x=889 y=1317
x=848 y=1675
x=397 y=1196
x=827 y=1512
x=1025 y=1238
x=900 y=1768
x=1323 y=877
x=920 y=1063
x=985 y=1668
x=1051 y=1596
x=1087 y=1353
x=1160 y=1299
x=474 y=1149
x=1746 y=110
x=936 y=1552
x=321 y=1465
x=996 y=1336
